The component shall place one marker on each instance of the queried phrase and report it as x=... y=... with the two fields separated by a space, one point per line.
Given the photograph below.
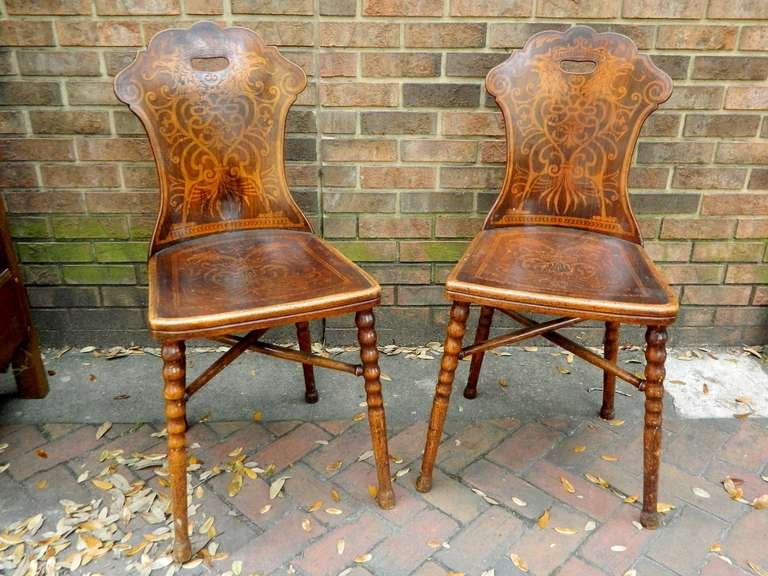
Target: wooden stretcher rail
x=290 y=354
x=580 y=351
x=519 y=335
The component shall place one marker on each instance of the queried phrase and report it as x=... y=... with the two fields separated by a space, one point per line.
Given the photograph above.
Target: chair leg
x=28 y=369
x=305 y=345
x=611 y=353
x=369 y=354
x=453 y=337
x=174 y=371
x=483 y=330
x=655 y=356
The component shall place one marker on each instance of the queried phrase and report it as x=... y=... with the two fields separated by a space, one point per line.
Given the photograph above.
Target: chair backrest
x=214 y=103
x=573 y=104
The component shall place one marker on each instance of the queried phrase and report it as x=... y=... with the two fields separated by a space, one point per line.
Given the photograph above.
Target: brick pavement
x=518 y=465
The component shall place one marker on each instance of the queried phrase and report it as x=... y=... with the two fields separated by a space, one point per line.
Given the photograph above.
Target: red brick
x=114 y=149
x=577 y=567
x=736 y=10
x=204 y=6
x=750 y=204
x=746 y=98
x=699 y=37
x=468 y=445
x=585 y=9
x=334 y=64
x=86 y=33
x=280 y=544
x=279 y=7
x=81 y=63
x=359 y=34
x=493 y=8
x=137 y=7
x=524 y=446
x=488 y=537
x=359 y=150
x=360 y=202
x=402 y=7
x=404 y=551
x=708 y=178
x=471 y=177
x=438 y=151
x=26 y=33
x=747 y=448
x=14 y=149
x=12 y=122
x=754 y=38
x=398 y=177
x=56 y=201
x=80 y=176
x=662 y=9
x=493 y=152
x=69 y=122
x=395 y=227
x=400 y=64
x=719 y=295
x=753 y=228
x=61 y=450
x=697 y=228
x=698 y=97
x=283 y=33
x=514 y=35
x=359 y=94
x=249 y=438
x=698 y=530
x=454 y=498
x=30 y=93
x=693 y=274
x=322 y=559
x=618 y=531
x=291 y=447
x=457 y=227
x=451 y=35
x=48 y=7
x=728 y=251
x=472 y=124
x=93 y=94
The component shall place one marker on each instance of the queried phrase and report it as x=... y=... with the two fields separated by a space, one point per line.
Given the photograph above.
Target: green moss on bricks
x=29 y=227
x=431 y=251
x=383 y=251
x=121 y=251
x=55 y=252
x=99 y=274
x=90 y=227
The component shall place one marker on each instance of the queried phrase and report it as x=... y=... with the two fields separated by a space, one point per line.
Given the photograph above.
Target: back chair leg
x=28 y=369
x=655 y=356
x=453 y=338
x=305 y=345
x=369 y=355
x=483 y=330
x=611 y=353
x=174 y=372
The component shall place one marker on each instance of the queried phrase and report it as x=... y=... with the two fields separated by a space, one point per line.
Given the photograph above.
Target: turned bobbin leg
x=174 y=371
x=305 y=345
x=610 y=352
x=28 y=369
x=366 y=336
x=655 y=355
x=453 y=338
x=483 y=329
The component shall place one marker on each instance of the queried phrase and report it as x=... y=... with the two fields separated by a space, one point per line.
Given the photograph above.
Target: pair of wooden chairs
x=233 y=254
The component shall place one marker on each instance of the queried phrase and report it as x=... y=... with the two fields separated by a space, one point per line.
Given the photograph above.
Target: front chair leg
x=369 y=354
x=453 y=337
x=174 y=371
x=611 y=353
x=305 y=345
x=655 y=356
x=483 y=330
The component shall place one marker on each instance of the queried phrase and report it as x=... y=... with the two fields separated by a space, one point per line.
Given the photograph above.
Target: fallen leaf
x=590 y=526
x=237 y=567
x=705 y=389
x=334 y=466
x=257 y=416
x=373 y=490
x=363 y=558
x=618 y=548
x=664 y=508
x=631 y=572
x=335 y=495
x=715 y=548
x=266 y=508
x=543 y=520
x=402 y=472
x=502 y=382
x=735 y=492
x=277 y=486
x=316 y=505
x=757 y=569
x=631 y=499
x=103 y=429
x=41 y=484
x=235 y=485
x=206 y=526
x=102 y=484
x=567 y=485
x=518 y=502
x=333 y=511
x=519 y=563
x=609 y=458
x=760 y=503
x=700 y=492
x=306 y=525
x=579 y=449
x=566 y=531
x=358 y=417
x=340 y=546
x=563 y=370
x=616 y=422
x=41 y=453
x=365 y=455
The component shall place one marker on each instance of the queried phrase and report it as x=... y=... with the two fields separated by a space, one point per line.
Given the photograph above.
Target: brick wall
x=395 y=149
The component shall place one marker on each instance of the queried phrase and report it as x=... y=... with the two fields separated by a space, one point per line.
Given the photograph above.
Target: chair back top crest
x=573 y=104
x=214 y=103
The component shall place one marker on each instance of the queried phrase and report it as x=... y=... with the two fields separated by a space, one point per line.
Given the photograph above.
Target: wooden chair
x=561 y=238
x=231 y=251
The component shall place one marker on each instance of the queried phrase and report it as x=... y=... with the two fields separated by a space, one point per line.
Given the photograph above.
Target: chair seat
x=251 y=279
x=563 y=271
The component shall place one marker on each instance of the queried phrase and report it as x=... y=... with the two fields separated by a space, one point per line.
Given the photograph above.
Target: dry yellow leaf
x=363 y=558
x=103 y=429
x=373 y=490
x=566 y=531
x=334 y=466
x=579 y=449
x=340 y=544
x=519 y=502
x=567 y=485
x=257 y=415
x=235 y=485
x=757 y=569
x=207 y=525
x=519 y=563
x=616 y=422
x=563 y=370
x=237 y=567
x=543 y=520
x=306 y=525
x=664 y=508
x=335 y=495
x=715 y=548
x=631 y=499
x=277 y=486
x=734 y=491
x=358 y=417
x=266 y=508
x=609 y=458
x=434 y=543
x=316 y=505
x=502 y=382
x=41 y=484
x=333 y=511
x=760 y=503
x=102 y=484
x=700 y=492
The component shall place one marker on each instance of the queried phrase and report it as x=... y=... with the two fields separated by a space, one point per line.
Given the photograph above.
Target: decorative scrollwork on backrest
x=217 y=133
x=571 y=133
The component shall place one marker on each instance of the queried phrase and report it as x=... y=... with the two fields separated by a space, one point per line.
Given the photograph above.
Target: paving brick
x=698 y=530
x=470 y=444
x=504 y=486
x=322 y=558
x=289 y=448
x=404 y=551
x=483 y=543
x=524 y=446
x=747 y=448
x=577 y=567
x=70 y=446
x=345 y=448
x=454 y=498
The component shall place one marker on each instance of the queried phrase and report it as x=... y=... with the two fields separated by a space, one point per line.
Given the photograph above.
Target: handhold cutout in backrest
x=214 y=103
x=573 y=104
